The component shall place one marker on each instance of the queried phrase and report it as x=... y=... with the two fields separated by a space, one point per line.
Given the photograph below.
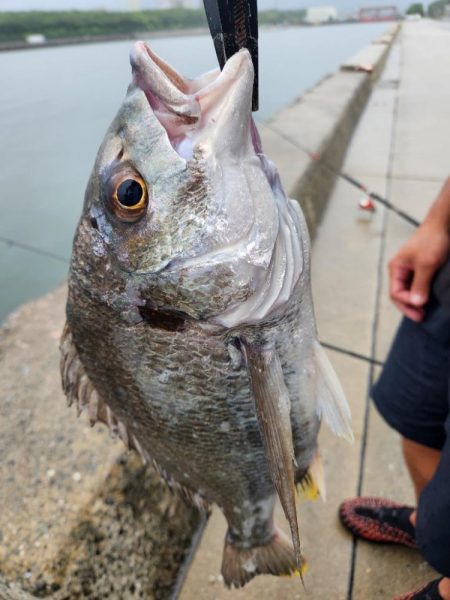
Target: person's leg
x=433 y=519
x=411 y=394
x=421 y=461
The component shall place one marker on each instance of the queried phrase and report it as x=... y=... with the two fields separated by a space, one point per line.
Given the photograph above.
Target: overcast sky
x=343 y=6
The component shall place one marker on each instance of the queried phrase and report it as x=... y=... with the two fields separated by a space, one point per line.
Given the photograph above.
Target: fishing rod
x=383 y=201
x=349 y=179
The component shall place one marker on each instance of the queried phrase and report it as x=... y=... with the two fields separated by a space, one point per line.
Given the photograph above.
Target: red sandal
x=378 y=520
x=429 y=591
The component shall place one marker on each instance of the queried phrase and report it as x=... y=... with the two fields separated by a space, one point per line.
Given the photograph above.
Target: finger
x=404 y=296
x=400 y=278
x=412 y=312
x=420 y=286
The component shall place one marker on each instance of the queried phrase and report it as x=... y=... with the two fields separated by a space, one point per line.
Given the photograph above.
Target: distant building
x=178 y=4
x=378 y=13
x=35 y=38
x=321 y=14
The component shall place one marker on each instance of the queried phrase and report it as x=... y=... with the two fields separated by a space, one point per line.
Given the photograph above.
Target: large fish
x=190 y=326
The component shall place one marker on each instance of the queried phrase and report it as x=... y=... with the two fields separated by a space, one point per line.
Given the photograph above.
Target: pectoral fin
x=332 y=404
x=273 y=411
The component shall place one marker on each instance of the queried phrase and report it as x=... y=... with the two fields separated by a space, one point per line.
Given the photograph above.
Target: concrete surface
x=397 y=151
x=78 y=518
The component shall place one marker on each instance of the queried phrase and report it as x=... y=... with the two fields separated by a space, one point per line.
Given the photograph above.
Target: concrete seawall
x=308 y=139
x=79 y=518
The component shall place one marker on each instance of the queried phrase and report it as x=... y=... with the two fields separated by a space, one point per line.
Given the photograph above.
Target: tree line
x=16 y=26
x=436 y=9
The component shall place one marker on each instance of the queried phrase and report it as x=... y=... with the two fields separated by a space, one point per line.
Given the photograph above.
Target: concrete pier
x=59 y=480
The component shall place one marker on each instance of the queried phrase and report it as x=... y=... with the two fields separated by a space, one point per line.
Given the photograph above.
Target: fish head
x=179 y=212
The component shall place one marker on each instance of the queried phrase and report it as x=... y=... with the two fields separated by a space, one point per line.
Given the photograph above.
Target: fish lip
x=141 y=51
x=164 y=86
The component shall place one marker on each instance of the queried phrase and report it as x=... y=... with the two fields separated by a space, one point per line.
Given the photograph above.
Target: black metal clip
x=234 y=25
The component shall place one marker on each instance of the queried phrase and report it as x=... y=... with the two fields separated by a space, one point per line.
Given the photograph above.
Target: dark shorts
x=412 y=395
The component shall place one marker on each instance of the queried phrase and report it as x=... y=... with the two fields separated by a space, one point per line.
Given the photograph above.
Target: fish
x=190 y=324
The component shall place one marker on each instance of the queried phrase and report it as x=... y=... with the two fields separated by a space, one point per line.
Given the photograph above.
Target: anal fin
x=312 y=485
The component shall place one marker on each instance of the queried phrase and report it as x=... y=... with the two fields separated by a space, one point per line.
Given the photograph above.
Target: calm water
x=56 y=103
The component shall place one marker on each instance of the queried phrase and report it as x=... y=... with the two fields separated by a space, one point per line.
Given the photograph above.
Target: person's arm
x=412 y=268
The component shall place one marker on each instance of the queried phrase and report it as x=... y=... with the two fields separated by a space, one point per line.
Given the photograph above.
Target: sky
x=343 y=6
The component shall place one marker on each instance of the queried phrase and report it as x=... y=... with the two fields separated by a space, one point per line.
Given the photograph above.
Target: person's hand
x=412 y=268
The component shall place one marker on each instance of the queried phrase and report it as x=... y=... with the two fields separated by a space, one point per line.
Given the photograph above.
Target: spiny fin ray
x=80 y=391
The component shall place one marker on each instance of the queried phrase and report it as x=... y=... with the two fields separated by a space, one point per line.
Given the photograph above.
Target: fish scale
x=171 y=410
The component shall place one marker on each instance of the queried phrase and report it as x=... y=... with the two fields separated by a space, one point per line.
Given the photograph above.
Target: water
x=55 y=106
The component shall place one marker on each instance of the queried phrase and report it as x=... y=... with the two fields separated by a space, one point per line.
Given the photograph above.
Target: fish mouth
x=166 y=90
x=190 y=108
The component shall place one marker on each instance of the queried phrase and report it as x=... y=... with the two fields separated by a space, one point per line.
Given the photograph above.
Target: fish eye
x=130 y=193
x=130 y=197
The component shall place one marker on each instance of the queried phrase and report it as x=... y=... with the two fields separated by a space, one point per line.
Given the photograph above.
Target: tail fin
x=240 y=565
x=333 y=406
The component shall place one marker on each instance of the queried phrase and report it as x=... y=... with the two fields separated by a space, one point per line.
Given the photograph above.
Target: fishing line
x=352 y=354
x=349 y=179
x=33 y=249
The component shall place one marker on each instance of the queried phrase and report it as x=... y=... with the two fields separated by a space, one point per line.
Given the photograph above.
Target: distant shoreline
x=94 y=39
x=162 y=33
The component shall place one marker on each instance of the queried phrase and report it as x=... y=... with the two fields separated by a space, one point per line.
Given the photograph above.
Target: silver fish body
x=190 y=325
